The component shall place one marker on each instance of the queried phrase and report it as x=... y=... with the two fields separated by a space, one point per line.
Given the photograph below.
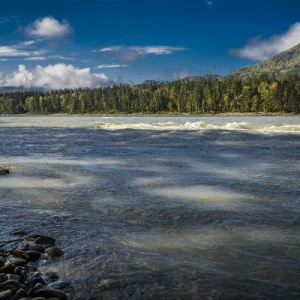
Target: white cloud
x=48 y=27
x=19 y=50
x=27 y=43
x=12 y=51
x=259 y=49
x=56 y=76
x=35 y=58
x=112 y=49
x=110 y=66
x=132 y=53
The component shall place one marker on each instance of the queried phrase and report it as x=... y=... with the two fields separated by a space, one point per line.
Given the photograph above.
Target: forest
x=209 y=94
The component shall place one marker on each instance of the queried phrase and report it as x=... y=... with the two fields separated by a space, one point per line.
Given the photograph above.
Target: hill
x=280 y=65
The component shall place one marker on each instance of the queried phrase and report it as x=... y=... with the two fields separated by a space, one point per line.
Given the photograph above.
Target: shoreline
x=237 y=114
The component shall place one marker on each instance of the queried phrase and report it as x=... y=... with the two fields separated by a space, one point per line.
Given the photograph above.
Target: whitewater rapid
x=164 y=207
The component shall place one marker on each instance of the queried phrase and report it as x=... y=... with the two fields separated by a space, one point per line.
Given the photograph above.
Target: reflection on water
x=159 y=208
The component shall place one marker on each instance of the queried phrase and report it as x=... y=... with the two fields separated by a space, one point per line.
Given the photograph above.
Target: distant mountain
x=280 y=65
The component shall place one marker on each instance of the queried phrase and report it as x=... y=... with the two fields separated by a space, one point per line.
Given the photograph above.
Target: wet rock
x=18 y=277
x=31 y=268
x=18 y=232
x=2 y=261
x=38 y=286
x=32 y=280
x=10 y=283
x=41 y=239
x=5 y=294
x=53 y=252
x=50 y=293
x=21 y=293
x=9 y=247
x=36 y=247
x=17 y=261
x=28 y=255
x=7 y=268
x=52 y=276
x=13 y=277
x=2 y=277
x=22 y=272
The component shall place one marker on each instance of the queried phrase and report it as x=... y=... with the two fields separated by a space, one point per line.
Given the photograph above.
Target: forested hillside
x=280 y=65
x=201 y=95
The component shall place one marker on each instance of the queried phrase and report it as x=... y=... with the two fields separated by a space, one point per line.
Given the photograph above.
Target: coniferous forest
x=195 y=95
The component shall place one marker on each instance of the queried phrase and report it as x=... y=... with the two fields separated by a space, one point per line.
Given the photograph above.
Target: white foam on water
x=284 y=124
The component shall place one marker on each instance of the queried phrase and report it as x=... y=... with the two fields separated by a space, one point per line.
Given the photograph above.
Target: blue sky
x=90 y=43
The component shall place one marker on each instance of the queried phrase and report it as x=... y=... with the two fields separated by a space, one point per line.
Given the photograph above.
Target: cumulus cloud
x=111 y=66
x=261 y=49
x=56 y=76
x=132 y=53
x=49 y=28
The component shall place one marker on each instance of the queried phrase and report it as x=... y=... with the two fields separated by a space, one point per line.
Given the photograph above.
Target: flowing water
x=159 y=207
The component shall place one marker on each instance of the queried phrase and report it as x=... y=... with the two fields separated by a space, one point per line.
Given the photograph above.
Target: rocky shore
x=21 y=277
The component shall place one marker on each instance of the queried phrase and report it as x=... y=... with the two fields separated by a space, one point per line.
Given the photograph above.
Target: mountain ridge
x=281 y=64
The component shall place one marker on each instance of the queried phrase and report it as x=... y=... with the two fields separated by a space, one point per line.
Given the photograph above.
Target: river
x=159 y=207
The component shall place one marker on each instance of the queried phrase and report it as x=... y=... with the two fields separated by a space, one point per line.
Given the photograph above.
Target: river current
x=162 y=207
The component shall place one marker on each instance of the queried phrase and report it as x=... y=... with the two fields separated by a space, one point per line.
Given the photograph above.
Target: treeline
x=199 y=95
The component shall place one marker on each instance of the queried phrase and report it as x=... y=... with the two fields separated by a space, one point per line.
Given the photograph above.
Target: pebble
x=19 y=278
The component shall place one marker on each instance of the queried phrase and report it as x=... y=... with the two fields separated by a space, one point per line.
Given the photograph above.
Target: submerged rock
x=18 y=232
x=28 y=255
x=41 y=239
x=4 y=171
x=50 y=293
x=53 y=252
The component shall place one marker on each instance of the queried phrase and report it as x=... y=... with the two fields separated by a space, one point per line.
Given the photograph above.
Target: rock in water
x=50 y=293
x=53 y=252
x=41 y=239
x=4 y=171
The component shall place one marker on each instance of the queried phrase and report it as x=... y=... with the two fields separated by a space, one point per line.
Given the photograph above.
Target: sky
x=56 y=44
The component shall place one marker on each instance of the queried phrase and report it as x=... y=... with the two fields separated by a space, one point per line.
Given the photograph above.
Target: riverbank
x=22 y=275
